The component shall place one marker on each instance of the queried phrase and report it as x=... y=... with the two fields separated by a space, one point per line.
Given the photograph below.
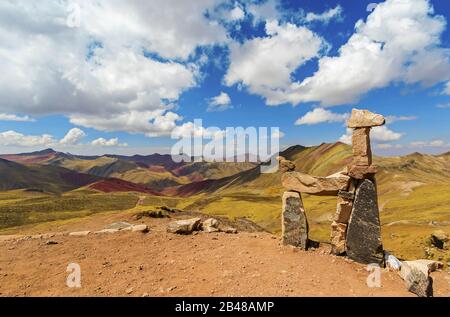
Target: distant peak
x=43 y=152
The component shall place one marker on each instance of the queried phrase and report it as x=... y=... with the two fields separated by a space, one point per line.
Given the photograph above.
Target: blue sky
x=120 y=77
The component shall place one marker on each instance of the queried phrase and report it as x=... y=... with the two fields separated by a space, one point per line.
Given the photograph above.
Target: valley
x=414 y=191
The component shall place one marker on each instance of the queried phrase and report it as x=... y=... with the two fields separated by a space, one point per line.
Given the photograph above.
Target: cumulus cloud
x=378 y=134
x=13 y=117
x=104 y=68
x=399 y=42
x=320 y=115
x=325 y=17
x=265 y=65
x=13 y=138
x=221 y=102
x=73 y=137
x=108 y=143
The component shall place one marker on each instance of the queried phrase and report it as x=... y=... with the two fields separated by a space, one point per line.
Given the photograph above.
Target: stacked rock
x=363 y=241
x=356 y=228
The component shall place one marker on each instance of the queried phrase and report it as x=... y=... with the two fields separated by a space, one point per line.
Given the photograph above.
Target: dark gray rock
x=364 y=229
x=346 y=195
x=294 y=222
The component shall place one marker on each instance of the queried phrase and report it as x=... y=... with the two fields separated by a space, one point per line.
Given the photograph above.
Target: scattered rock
x=119 y=226
x=304 y=183
x=417 y=281
x=210 y=225
x=129 y=290
x=285 y=165
x=140 y=228
x=157 y=214
x=227 y=229
x=364 y=229
x=338 y=231
x=392 y=262
x=439 y=239
x=426 y=266
x=184 y=226
x=79 y=234
x=110 y=231
x=294 y=222
x=365 y=119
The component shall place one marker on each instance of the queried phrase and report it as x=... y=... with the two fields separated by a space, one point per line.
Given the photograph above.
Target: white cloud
x=221 y=102
x=320 y=115
x=433 y=143
x=378 y=134
x=443 y=105
x=447 y=88
x=392 y=119
x=73 y=137
x=108 y=143
x=13 y=138
x=399 y=42
x=237 y=13
x=325 y=17
x=264 y=65
x=99 y=69
x=384 y=134
x=388 y=146
x=13 y=117
x=267 y=10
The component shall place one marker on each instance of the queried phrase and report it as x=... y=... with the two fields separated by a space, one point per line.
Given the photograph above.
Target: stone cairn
x=356 y=229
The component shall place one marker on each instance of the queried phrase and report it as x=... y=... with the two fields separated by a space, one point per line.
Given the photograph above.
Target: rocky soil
x=158 y=263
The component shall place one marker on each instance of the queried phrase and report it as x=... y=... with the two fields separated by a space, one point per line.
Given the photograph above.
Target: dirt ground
x=163 y=264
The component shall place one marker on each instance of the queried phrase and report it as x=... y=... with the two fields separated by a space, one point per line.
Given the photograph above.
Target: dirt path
x=162 y=264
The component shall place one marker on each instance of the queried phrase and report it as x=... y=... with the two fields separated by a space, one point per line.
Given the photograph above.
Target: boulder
x=338 y=231
x=365 y=119
x=140 y=228
x=294 y=222
x=184 y=226
x=362 y=172
x=439 y=239
x=425 y=266
x=304 y=183
x=210 y=225
x=362 y=153
x=417 y=281
x=363 y=243
x=343 y=210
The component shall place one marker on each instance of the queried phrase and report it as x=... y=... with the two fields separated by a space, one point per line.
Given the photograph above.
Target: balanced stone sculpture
x=356 y=228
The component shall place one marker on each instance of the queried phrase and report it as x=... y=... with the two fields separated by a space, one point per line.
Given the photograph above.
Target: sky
x=114 y=76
